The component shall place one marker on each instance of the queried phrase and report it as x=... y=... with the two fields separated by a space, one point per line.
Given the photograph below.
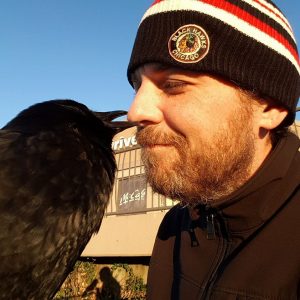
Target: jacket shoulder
x=172 y=221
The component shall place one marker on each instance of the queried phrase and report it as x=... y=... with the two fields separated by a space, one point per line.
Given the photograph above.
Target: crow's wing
x=54 y=187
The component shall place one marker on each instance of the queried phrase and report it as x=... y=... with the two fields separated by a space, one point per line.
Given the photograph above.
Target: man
x=217 y=83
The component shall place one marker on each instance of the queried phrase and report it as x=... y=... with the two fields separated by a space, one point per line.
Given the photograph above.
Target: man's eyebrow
x=155 y=66
x=166 y=69
x=161 y=67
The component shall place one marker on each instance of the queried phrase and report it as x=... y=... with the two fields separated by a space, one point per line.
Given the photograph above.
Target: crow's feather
x=56 y=175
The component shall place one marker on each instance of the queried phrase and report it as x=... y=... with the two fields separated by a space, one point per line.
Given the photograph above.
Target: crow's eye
x=136 y=85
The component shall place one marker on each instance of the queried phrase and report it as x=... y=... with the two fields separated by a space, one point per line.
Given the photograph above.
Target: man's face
x=196 y=133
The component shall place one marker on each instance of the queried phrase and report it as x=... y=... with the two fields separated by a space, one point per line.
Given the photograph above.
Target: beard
x=212 y=171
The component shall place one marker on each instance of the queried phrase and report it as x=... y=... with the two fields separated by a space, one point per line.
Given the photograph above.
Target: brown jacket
x=244 y=247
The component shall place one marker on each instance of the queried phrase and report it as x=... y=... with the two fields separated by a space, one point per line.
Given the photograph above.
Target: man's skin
x=205 y=115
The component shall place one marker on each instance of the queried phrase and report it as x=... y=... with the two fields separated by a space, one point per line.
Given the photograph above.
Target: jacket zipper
x=210 y=227
x=211 y=219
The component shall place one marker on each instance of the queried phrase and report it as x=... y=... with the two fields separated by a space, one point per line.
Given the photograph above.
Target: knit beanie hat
x=249 y=42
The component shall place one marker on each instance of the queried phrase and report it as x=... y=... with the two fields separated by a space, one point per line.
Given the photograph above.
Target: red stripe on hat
x=242 y=14
x=156 y=1
x=274 y=13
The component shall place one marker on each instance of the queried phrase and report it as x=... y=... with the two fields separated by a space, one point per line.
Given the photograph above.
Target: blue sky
x=76 y=49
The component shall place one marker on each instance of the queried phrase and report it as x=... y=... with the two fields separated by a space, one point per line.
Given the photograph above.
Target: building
x=296 y=127
x=134 y=211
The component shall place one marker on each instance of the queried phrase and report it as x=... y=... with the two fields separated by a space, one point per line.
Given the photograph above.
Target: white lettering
x=115 y=145
x=127 y=142
x=133 y=140
x=137 y=195
x=124 y=143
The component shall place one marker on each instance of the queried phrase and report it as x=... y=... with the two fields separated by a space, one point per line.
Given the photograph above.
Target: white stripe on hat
x=226 y=17
x=275 y=11
x=274 y=15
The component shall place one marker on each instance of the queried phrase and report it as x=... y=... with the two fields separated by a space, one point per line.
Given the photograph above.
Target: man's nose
x=145 y=108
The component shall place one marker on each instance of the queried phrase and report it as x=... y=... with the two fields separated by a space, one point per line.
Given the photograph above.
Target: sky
x=75 y=49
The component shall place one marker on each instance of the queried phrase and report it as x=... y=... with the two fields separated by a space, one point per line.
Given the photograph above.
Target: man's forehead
x=156 y=68
x=153 y=67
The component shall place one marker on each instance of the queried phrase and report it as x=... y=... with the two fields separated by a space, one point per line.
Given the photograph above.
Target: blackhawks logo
x=189 y=44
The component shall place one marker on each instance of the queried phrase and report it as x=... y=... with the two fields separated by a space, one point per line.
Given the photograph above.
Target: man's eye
x=173 y=87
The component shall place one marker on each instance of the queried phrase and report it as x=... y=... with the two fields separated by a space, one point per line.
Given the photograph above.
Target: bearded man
x=217 y=83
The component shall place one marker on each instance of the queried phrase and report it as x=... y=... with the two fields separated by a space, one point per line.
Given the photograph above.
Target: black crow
x=56 y=174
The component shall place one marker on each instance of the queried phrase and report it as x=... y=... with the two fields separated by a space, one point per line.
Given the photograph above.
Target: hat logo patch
x=189 y=44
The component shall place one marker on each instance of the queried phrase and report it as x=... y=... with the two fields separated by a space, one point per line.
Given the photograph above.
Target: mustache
x=151 y=136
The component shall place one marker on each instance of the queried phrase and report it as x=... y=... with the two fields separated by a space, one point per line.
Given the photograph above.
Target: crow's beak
x=109 y=116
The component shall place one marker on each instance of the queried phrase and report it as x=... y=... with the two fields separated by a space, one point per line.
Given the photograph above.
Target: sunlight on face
x=212 y=170
x=196 y=133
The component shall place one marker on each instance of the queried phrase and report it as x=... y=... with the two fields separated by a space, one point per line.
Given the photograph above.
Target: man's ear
x=272 y=116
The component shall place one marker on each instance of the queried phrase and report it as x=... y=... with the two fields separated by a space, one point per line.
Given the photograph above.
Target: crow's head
x=57 y=114
x=116 y=126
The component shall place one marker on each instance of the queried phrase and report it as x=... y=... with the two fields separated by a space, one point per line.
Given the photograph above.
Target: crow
x=57 y=172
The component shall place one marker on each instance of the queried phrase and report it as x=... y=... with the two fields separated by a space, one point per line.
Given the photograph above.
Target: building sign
x=123 y=143
x=132 y=194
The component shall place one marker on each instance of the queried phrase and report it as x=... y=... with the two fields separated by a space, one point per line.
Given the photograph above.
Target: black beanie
x=249 y=42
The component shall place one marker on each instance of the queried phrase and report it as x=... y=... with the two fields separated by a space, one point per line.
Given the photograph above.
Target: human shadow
x=110 y=290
